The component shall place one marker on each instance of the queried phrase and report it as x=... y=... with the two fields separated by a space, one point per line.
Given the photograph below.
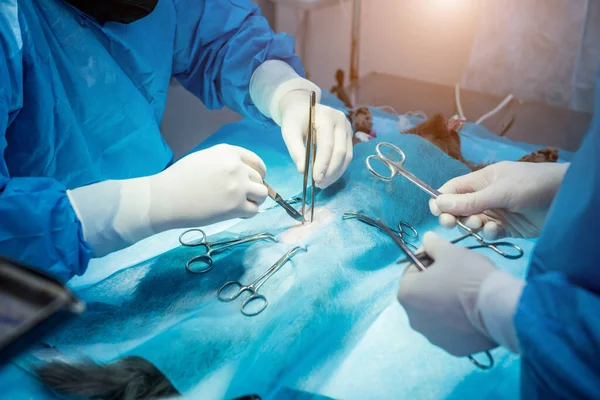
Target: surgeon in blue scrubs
x=465 y=305
x=84 y=170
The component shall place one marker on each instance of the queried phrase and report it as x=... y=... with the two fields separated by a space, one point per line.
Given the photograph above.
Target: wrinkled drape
x=538 y=50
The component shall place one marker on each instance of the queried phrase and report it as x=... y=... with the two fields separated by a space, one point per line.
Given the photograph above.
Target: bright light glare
x=448 y=7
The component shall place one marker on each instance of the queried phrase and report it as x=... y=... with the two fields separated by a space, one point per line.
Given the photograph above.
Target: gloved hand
x=462 y=302
x=515 y=197
x=208 y=186
x=441 y=301
x=334 y=137
x=281 y=94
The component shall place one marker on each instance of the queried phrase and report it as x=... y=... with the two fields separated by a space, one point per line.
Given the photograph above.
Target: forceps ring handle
x=254 y=298
x=201 y=242
x=202 y=257
x=235 y=295
x=407 y=230
x=511 y=255
x=481 y=366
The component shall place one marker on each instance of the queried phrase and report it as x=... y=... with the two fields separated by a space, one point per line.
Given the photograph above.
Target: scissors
x=255 y=297
x=395 y=166
x=205 y=260
x=310 y=156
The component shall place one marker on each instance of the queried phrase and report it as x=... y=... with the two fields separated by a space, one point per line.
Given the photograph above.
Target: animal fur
x=339 y=90
x=434 y=129
x=130 y=378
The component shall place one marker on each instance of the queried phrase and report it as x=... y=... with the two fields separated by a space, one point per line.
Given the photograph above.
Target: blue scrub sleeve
x=558 y=326
x=38 y=225
x=218 y=46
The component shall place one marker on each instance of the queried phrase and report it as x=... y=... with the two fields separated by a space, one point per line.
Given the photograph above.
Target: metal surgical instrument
x=291 y=211
x=309 y=160
x=405 y=231
x=424 y=257
x=421 y=262
x=396 y=235
x=395 y=167
x=205 y=260
x=255 y=297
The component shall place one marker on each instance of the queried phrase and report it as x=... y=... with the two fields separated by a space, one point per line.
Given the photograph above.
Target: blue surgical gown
x=82 y=102
x=558 y=316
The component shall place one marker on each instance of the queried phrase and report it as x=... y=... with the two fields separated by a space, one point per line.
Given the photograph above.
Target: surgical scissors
x=404 y=231
x=206 y=259
x=254 y=286
x=396 y=167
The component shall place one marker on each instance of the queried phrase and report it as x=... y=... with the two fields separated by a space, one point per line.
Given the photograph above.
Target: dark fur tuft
x=127 y=379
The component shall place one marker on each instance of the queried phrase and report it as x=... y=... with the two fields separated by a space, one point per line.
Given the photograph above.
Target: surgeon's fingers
x=338 y=157
x=493 y=231
x=254 y=175
x=249 y=209
x=448 y=221
x=253 y=161
x=325 y=146
x=435 y=210
x=464 y=184
x=459 y=185
x=293 y=136
x=435 y=246
x=349 y=152
x=257 y=193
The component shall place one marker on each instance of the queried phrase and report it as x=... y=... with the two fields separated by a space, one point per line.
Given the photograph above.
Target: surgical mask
x=122 y=11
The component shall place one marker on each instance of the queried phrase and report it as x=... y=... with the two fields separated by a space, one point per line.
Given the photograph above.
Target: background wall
x=421 y=39
x=542 y=51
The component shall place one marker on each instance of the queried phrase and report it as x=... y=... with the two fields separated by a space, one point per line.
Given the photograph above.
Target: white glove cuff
x=132 y=222
x=113 y=214
x=497 y=302
x=271 y=81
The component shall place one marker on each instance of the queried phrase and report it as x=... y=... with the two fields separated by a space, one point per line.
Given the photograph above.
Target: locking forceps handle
x=276 y=267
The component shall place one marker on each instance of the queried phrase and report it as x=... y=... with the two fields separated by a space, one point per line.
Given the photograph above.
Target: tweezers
x=309 y=160
x=291 y=211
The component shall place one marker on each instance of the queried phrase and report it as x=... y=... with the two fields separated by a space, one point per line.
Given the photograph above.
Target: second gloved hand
x=441 y=301
x=334 y=137
x=209 y=186
x=282 y=95
x=217 y=184
x=515 y=197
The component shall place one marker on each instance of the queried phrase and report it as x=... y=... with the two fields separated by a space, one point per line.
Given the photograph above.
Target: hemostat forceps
x=404 y=229
x=205 y=260
x=394 y=162
x=309 y=159
x=258 y=299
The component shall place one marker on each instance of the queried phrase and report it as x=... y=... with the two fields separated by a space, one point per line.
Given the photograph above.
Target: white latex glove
x=515 y=197
x=205 y=187
x=443 y=303
x=281 y=94
x=334 y=137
